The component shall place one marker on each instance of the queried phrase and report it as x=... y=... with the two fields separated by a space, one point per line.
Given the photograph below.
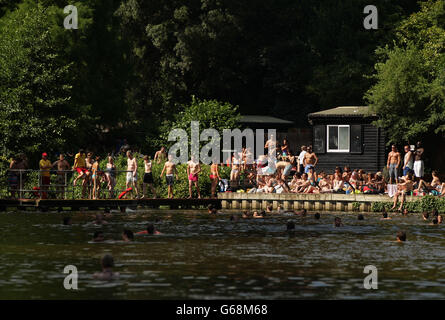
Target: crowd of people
x=278 y=170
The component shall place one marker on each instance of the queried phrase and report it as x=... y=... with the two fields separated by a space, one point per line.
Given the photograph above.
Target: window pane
x=343 y=138
x=319 y=139
x=333 y=137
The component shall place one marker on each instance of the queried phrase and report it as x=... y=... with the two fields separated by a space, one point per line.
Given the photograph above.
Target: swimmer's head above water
x=401 y=236
x=127 y=235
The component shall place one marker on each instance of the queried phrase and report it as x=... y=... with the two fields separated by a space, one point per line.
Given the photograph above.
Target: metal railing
x=29 y=184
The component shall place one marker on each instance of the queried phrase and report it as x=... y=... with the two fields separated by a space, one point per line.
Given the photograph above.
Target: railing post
x=20 y=186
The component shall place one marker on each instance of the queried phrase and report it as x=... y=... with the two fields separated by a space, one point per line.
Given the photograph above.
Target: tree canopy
x=409 y=95
x=133 y=64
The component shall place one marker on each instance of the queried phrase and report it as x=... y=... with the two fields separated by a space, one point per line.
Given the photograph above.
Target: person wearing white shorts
x=132 y=170
x=418 y=168
x=131 y=178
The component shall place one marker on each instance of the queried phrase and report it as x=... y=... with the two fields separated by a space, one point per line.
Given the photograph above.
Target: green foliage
x=209 y=113
x=35 y=88
x=356 y=206
x=409 y=95
x=425 y=203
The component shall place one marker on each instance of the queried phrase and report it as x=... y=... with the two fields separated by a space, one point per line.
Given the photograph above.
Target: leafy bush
x=425 y=203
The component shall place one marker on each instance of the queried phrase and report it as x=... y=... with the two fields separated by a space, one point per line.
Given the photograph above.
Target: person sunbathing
x=403 y=189
x=325 y=184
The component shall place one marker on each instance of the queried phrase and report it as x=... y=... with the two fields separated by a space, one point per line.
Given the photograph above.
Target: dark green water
x=202 y=257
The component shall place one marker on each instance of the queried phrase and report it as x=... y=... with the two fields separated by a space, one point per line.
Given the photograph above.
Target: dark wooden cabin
x=345 y=136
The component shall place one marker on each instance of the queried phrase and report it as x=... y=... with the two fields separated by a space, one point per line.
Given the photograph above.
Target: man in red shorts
x=80 y=167
x=193 y=170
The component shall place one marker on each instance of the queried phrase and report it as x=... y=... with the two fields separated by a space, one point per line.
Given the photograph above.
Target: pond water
x=210 y=257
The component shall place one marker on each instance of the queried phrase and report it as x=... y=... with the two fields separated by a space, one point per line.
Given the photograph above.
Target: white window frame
x=338 y=128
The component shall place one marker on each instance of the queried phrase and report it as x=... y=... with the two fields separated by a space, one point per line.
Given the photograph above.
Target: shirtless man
x=160 y=155
x=107 y=273
x=81 y=168
x=310 y=159
x=283 y=169
x=132 y=172
x=214 y=177
x=418 y=161
x=170 y=170
x=393 y=164
x=148 y=178
x=403 y=189
x=193 y=170
x=408 y=161
x=62 y=166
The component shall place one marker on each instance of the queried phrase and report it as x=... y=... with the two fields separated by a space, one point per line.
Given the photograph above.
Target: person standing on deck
x=160 y=155
x=169 y=169
x=418 y=161
x=193 y=170
x=62 y=166
x=148 y=177
x=393 y=164
x=408 y=161
x=45 y=177
x=310 y=159
x=132 y=172
x=301 y=159
x=80 y=166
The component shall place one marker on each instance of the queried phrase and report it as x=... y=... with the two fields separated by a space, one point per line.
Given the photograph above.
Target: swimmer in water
x=425 y=216
x=100 y=219
x=107 y=273
x=360 y=217
x=317 y=215
x=150 y=230
x=67 y=221
x=290 y=226
x=337 y=222
x=127 y=235
x=260 y=215
x=301 y=213
x=98 y=236
x=401 y=236
x=439 y=219
x=385 y=216
x=246 y=215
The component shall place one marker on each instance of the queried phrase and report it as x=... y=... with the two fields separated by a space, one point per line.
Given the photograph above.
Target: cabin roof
x=343 y=111
x=263 y=119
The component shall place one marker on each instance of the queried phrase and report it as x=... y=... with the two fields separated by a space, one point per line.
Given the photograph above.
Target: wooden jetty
x=311 y=202
x=226 y=200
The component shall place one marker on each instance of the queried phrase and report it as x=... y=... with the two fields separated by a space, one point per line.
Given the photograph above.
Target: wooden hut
x=345 y=136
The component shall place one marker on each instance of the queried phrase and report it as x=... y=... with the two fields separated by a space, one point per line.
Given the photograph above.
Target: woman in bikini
x=110 y=175
x=236 y=168
x=95 y=177
x=214 y=177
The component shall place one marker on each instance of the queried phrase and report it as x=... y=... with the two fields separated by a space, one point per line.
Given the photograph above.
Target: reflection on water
x=203 y=257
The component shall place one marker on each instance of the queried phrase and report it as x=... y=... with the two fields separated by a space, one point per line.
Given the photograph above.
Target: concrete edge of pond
x=310 y=202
